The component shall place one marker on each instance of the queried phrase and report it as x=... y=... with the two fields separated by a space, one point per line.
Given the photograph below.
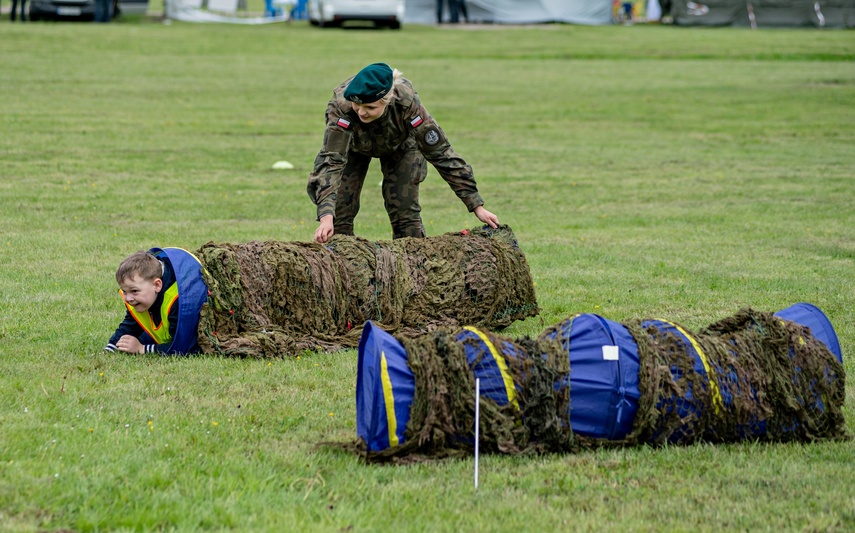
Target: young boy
x=157 y=319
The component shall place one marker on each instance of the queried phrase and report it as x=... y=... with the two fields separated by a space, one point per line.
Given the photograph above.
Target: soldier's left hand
x=486 y=217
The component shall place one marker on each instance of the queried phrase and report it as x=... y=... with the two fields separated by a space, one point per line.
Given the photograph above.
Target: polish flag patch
x=343 y=122
x=416 y=121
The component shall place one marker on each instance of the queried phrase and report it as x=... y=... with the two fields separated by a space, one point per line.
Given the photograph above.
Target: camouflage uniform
x=403 y=138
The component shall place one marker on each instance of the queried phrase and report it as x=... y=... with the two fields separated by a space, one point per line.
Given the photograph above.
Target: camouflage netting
x=775 y=382
x=269 y=299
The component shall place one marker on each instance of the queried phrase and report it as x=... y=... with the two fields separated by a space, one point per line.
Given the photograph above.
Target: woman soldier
x=377 y=113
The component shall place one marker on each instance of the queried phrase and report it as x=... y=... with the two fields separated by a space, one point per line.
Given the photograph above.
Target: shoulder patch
x=416 y=121
x=431 y=137
x=343 y=122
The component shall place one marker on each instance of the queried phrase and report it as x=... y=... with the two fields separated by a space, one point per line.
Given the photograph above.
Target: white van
x=324 y=13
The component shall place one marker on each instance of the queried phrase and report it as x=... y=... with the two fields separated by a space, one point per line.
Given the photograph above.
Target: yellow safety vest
x=160 y=334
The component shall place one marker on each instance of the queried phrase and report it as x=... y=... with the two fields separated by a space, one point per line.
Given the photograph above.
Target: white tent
x=222 y=11
x=588 y=12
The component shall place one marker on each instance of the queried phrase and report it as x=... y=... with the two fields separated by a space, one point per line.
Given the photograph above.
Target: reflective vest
x=159 y=333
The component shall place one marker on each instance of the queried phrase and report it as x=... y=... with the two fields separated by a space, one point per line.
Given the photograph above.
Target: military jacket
x=404 y=117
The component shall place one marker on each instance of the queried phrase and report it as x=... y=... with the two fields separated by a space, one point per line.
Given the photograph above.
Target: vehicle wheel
x=395 y=25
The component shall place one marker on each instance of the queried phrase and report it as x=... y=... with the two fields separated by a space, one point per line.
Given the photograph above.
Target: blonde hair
x=397 y=76
x=142 y=264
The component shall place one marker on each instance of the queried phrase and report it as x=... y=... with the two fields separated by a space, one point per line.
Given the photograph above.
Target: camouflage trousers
x=403 y=171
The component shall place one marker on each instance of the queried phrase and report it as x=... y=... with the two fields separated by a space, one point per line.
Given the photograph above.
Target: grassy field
x=646 y=170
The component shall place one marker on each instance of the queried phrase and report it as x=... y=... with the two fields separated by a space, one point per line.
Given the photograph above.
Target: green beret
x=370 y=84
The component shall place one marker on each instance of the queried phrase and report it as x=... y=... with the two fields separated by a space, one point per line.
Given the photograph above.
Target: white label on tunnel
x=610 y=353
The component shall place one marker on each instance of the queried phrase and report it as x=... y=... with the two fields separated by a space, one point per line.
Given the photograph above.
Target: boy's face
x=140 y=293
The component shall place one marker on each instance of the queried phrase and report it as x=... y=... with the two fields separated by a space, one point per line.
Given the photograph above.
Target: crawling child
x=163 y=292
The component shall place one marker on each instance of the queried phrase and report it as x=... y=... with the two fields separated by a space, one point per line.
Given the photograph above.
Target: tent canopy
x=588 y=12
x=765 y=13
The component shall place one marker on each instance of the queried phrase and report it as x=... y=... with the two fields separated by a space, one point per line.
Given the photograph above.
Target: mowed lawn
x=648 y=171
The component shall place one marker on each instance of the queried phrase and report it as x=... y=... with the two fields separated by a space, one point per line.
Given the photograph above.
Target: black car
x=82 y=9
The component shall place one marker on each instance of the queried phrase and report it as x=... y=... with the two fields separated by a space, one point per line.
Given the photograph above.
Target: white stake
x=477 y=424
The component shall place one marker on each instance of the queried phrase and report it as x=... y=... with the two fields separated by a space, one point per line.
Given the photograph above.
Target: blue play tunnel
x=603 y=378
x=810 y=316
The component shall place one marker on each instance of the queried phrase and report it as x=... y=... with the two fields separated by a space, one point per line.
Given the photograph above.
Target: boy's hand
x=130 y=344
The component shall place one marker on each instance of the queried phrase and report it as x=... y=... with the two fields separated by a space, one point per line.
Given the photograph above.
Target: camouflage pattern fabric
x=403 y=138
x=403 y=171
x=274 y=299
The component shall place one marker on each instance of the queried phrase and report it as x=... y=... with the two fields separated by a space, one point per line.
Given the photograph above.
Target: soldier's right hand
x=325 y=229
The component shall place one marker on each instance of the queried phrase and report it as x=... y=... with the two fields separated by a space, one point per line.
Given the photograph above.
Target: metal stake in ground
x=477 y=424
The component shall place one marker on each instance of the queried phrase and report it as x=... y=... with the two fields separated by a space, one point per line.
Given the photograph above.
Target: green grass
x=647 y=171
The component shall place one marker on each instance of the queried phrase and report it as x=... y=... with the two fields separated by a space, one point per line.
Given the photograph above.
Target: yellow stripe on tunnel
x=389 y=398
x=503 y=367
x=716 y=395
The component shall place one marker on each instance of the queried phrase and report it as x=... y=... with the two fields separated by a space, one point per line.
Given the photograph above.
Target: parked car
x=324 y=13
x=82 y=9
